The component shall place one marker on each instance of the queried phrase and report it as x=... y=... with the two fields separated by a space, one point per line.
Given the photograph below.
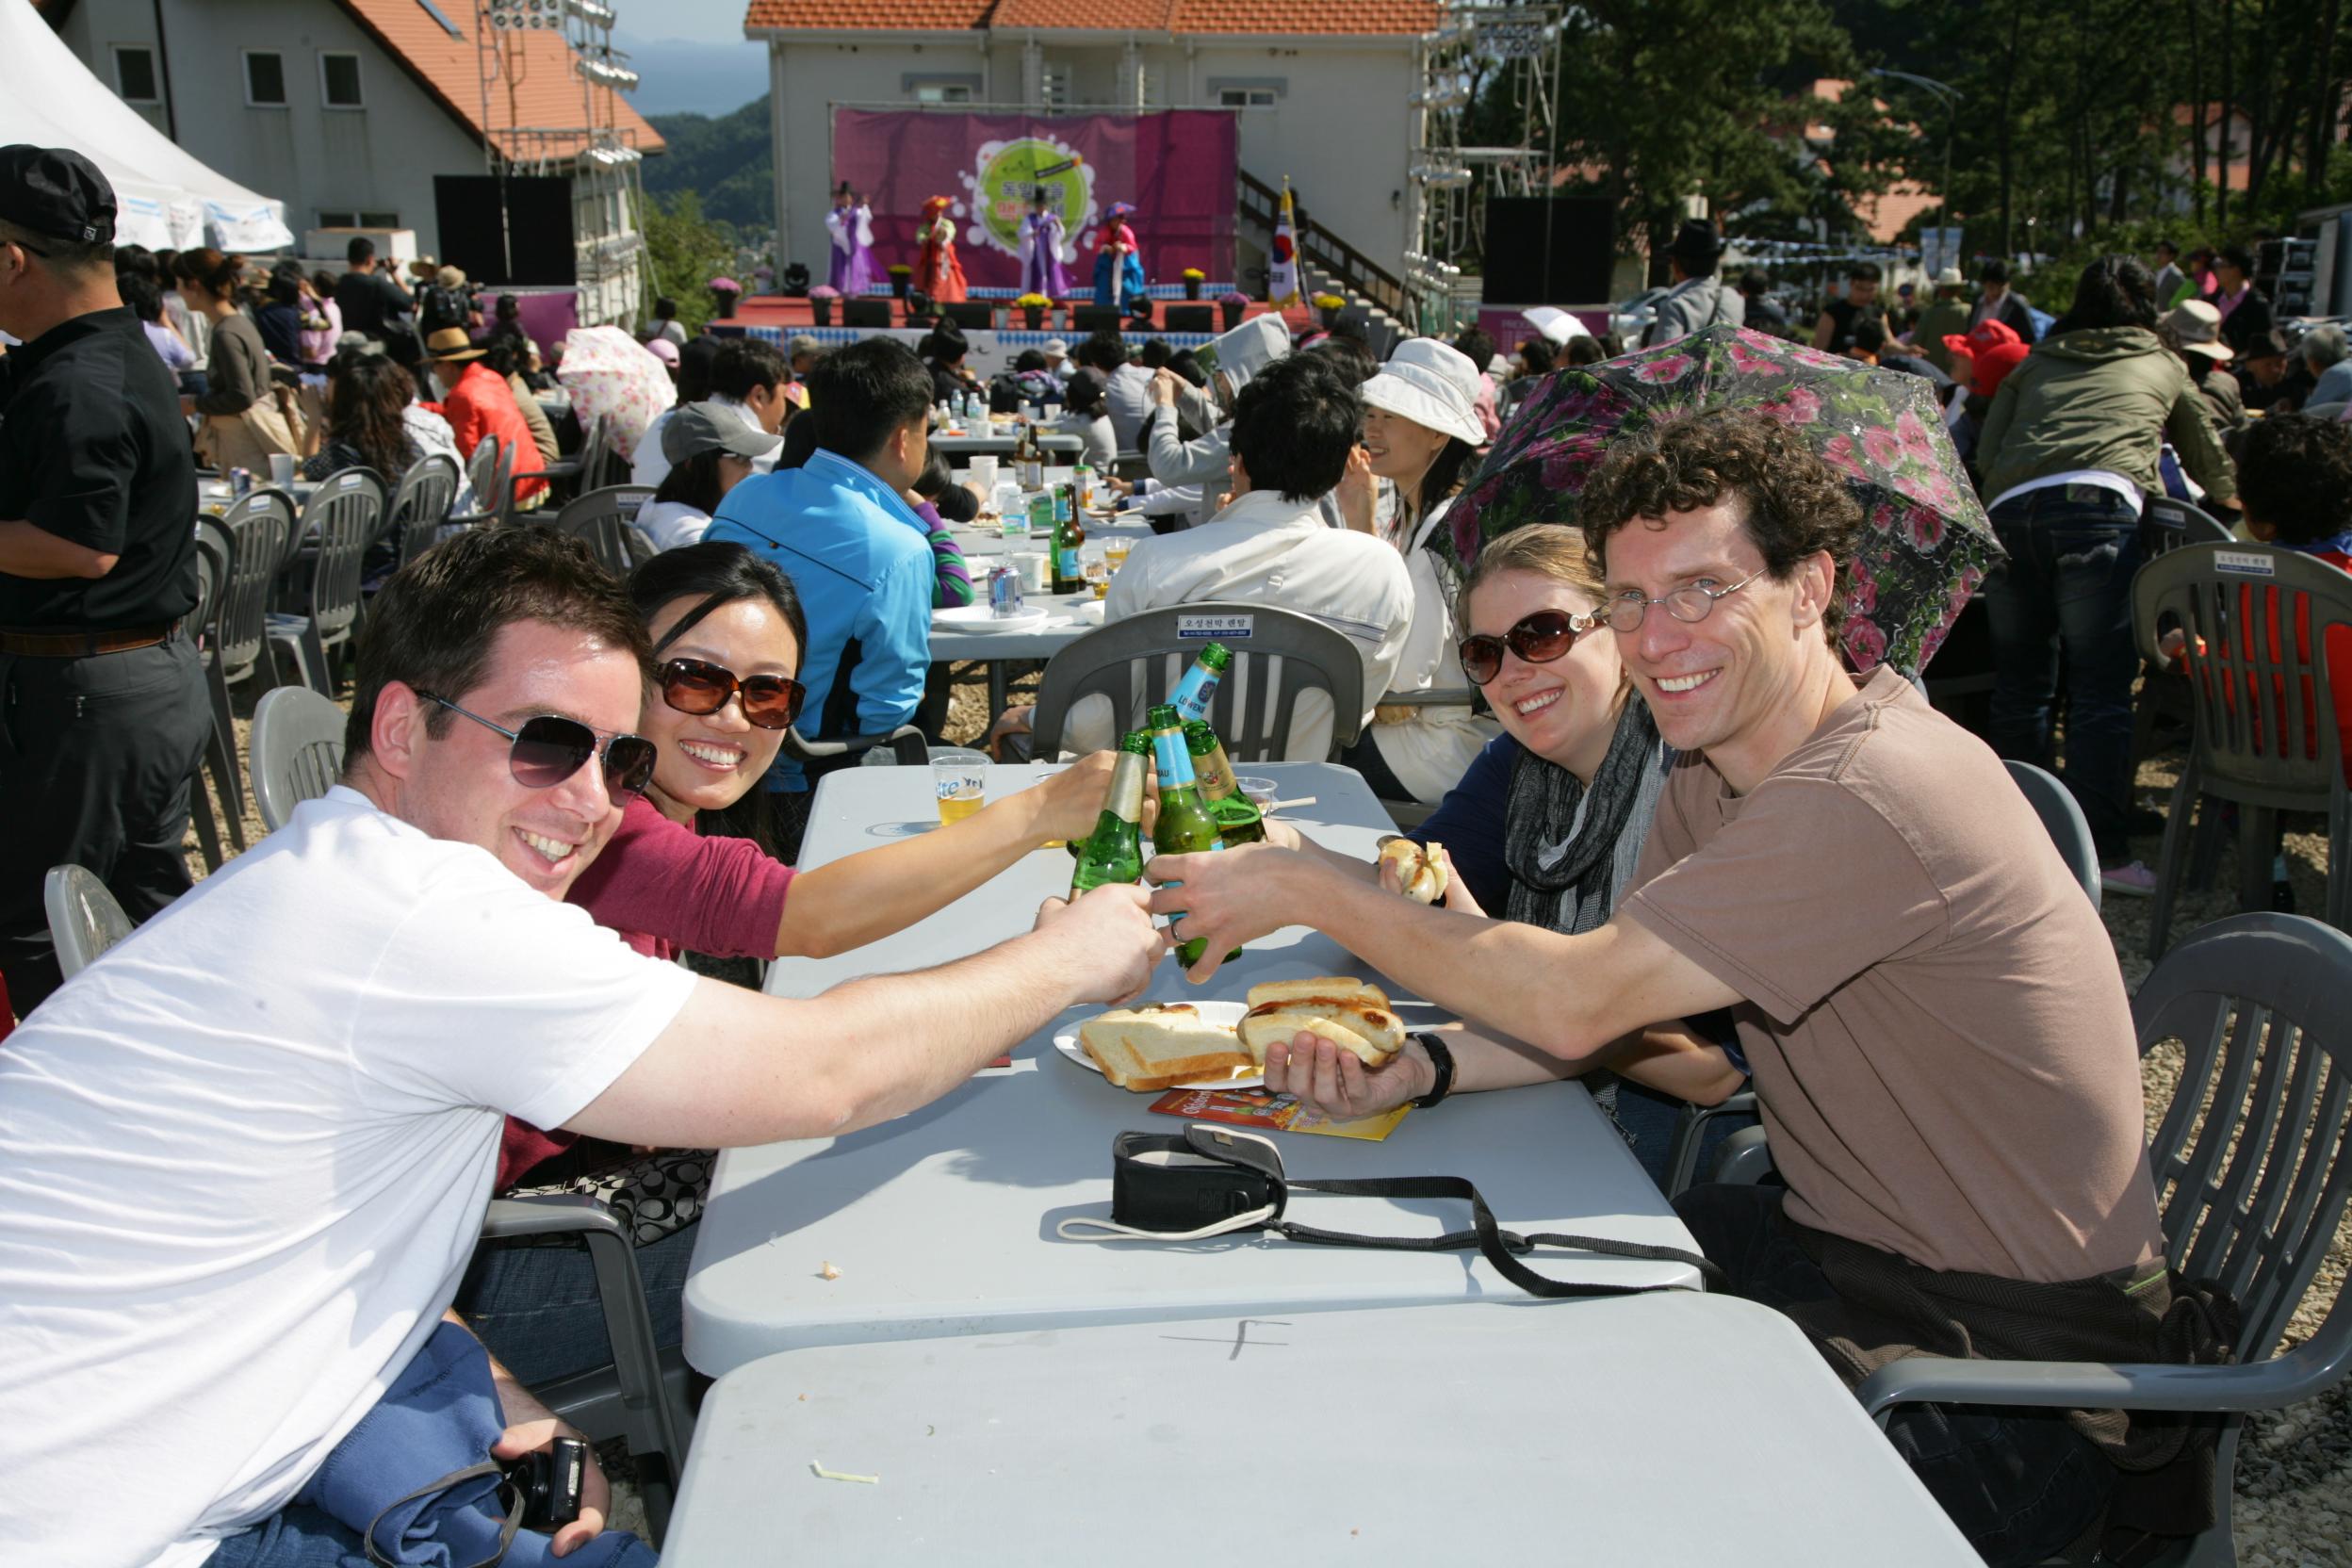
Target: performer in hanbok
x=1041 y=232
x=937 y=273
x=851 y=225
x=1119 y=262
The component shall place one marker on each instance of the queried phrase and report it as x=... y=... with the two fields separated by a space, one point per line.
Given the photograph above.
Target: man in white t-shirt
x=244 y=1157
x=1293 y=428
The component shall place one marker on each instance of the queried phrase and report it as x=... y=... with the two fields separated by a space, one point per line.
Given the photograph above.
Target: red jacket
x=482 y=404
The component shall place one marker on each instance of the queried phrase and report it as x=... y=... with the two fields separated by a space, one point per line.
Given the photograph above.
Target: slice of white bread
x=1351 y=1014
x=1161 y=1045
x=1420 y=869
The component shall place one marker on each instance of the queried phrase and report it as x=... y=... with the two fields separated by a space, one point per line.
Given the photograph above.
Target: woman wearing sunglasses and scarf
x=681 y=873
x=1544 y=827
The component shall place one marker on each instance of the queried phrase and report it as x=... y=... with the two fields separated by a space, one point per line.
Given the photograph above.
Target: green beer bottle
x=1069 y=537
x=1200 y=684
x=1114 y=851
x=1184 y=826
x=1238 y=820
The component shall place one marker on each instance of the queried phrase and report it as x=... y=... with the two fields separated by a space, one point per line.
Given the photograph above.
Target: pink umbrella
x=612 y=375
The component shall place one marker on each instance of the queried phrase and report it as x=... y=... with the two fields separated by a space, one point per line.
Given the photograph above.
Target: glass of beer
x=960 y=778
x=1115 y=552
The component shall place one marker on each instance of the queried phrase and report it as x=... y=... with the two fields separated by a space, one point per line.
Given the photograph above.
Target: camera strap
x=376 y=1557
x=1212 y=1180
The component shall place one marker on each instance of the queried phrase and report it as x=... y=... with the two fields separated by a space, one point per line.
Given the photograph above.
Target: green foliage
x=728 y=162
x=687 y=252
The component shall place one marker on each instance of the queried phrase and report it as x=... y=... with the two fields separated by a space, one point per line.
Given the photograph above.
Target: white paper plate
x=981 y=617
x=1226 y=1013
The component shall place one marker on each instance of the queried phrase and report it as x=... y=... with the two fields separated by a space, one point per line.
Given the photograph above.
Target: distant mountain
x=727 y=161
x=678 y=74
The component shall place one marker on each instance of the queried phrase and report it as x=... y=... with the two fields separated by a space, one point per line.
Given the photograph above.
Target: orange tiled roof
x=896 y=15
x=1336 y=17
x=547 y=92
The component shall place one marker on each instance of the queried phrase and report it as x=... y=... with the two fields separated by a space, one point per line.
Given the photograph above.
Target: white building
x=1320 y=90
x=345 y=111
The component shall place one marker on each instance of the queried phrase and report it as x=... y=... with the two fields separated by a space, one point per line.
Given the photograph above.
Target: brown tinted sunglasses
x=698 y=687
x=1538 y=639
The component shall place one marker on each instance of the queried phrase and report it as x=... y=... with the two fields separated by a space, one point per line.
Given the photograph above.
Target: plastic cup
x=1261 y=792
x=959 y=778
x=983 y=470
x=280 y=469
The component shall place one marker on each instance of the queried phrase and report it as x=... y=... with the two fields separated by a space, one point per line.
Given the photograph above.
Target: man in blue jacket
x=841 y=529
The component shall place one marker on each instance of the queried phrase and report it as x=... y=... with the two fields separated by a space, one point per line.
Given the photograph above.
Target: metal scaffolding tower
x=1489 y=65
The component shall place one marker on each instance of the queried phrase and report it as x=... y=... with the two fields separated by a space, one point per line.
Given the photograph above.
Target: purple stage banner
x=1176 y=169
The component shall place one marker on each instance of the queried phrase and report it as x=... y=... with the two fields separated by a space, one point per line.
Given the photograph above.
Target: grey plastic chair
x=84 y=919
x=577 y=471
x=1278 y=656
x=256 y=527
x=2062 y=816
x=602 y=519
x=2263 y=730
x=213 y=550
x=1745 y=1157
x=2167 y=524
x=2163 y=696
x=343 y=516
x=2252 y=1178
x=421 y=506
x=485 y=476
x=298 y=752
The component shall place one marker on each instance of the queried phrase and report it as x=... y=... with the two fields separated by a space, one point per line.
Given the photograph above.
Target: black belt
x=84 y=644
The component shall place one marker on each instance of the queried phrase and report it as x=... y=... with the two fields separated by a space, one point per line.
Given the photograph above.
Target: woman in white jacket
x=1421 y=434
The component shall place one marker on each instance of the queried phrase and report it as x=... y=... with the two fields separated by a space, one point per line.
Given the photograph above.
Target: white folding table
x=944 y=1221
x=1665 y=1428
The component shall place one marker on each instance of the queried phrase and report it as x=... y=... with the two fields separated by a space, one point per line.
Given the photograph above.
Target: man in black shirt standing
x=375 y=305
x=103 y=717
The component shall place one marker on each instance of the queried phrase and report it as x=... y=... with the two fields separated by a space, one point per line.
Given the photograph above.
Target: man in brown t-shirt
x=1941 y=1039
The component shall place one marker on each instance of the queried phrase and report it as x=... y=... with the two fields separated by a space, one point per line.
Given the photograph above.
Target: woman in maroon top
x=686 y=872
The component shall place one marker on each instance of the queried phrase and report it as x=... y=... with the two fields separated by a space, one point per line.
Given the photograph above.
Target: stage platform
x=792 y=315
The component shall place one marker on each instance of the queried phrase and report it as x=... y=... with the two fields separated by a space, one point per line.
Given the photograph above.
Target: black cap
x=1696 y=240
x=55 y=193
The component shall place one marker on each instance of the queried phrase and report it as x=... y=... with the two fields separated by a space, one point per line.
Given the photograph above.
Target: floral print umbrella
x=610 y=373
x=1926 y=544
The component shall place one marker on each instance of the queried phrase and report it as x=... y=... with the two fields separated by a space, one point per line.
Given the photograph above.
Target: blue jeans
x=537 y=1310
x=2068 y=584
x=295 y=1536
x=2020 y=1487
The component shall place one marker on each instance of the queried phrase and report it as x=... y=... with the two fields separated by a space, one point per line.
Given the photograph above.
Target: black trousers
x=96 y=758
x=2023 y=1485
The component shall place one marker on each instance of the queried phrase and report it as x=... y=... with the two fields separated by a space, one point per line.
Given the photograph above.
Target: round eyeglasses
x=1626 y=612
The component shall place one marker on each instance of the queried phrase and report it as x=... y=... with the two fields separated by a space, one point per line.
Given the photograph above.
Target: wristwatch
x=1441 y=1062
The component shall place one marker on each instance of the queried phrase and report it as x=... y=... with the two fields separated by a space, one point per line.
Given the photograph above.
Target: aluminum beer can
x=1004 y=590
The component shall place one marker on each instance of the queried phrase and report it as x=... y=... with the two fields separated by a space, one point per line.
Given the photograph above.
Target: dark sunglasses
x=548 y=749
x=698 y=687
x=1538 y=639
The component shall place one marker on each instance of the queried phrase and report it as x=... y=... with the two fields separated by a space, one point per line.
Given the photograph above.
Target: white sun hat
x=1433 y=385
x=1555 y=324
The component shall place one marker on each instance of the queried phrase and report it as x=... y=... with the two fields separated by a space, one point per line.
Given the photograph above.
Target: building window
x=346 y=217
x=1260 y=92
x=338 y=81
x=265 y=79
x=135 y=76
x=927 y=88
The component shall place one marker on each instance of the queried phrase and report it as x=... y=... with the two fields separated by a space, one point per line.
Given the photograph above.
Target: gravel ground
x=2295 y=1466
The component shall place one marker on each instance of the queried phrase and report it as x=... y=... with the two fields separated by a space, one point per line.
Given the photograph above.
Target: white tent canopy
x=167 y=199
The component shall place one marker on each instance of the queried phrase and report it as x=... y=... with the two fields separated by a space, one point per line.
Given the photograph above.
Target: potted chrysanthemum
x=821 y=300
x=1033 y=307
x=724 y=293
x=1194 y=278
x=1233 y=305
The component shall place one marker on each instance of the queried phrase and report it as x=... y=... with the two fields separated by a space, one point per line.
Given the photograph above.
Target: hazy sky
x=702 y=21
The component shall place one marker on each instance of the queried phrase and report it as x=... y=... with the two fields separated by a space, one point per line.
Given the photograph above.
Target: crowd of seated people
x=1652 y=770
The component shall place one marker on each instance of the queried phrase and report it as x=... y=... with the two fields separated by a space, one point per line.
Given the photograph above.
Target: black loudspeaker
x=865 y=313
x=526 y=241
x=1086 y=319
x=1190 y=318
x=1559 y=250
x=971 y=314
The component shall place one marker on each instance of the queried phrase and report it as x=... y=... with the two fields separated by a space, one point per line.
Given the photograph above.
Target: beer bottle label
x=1195 y=692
